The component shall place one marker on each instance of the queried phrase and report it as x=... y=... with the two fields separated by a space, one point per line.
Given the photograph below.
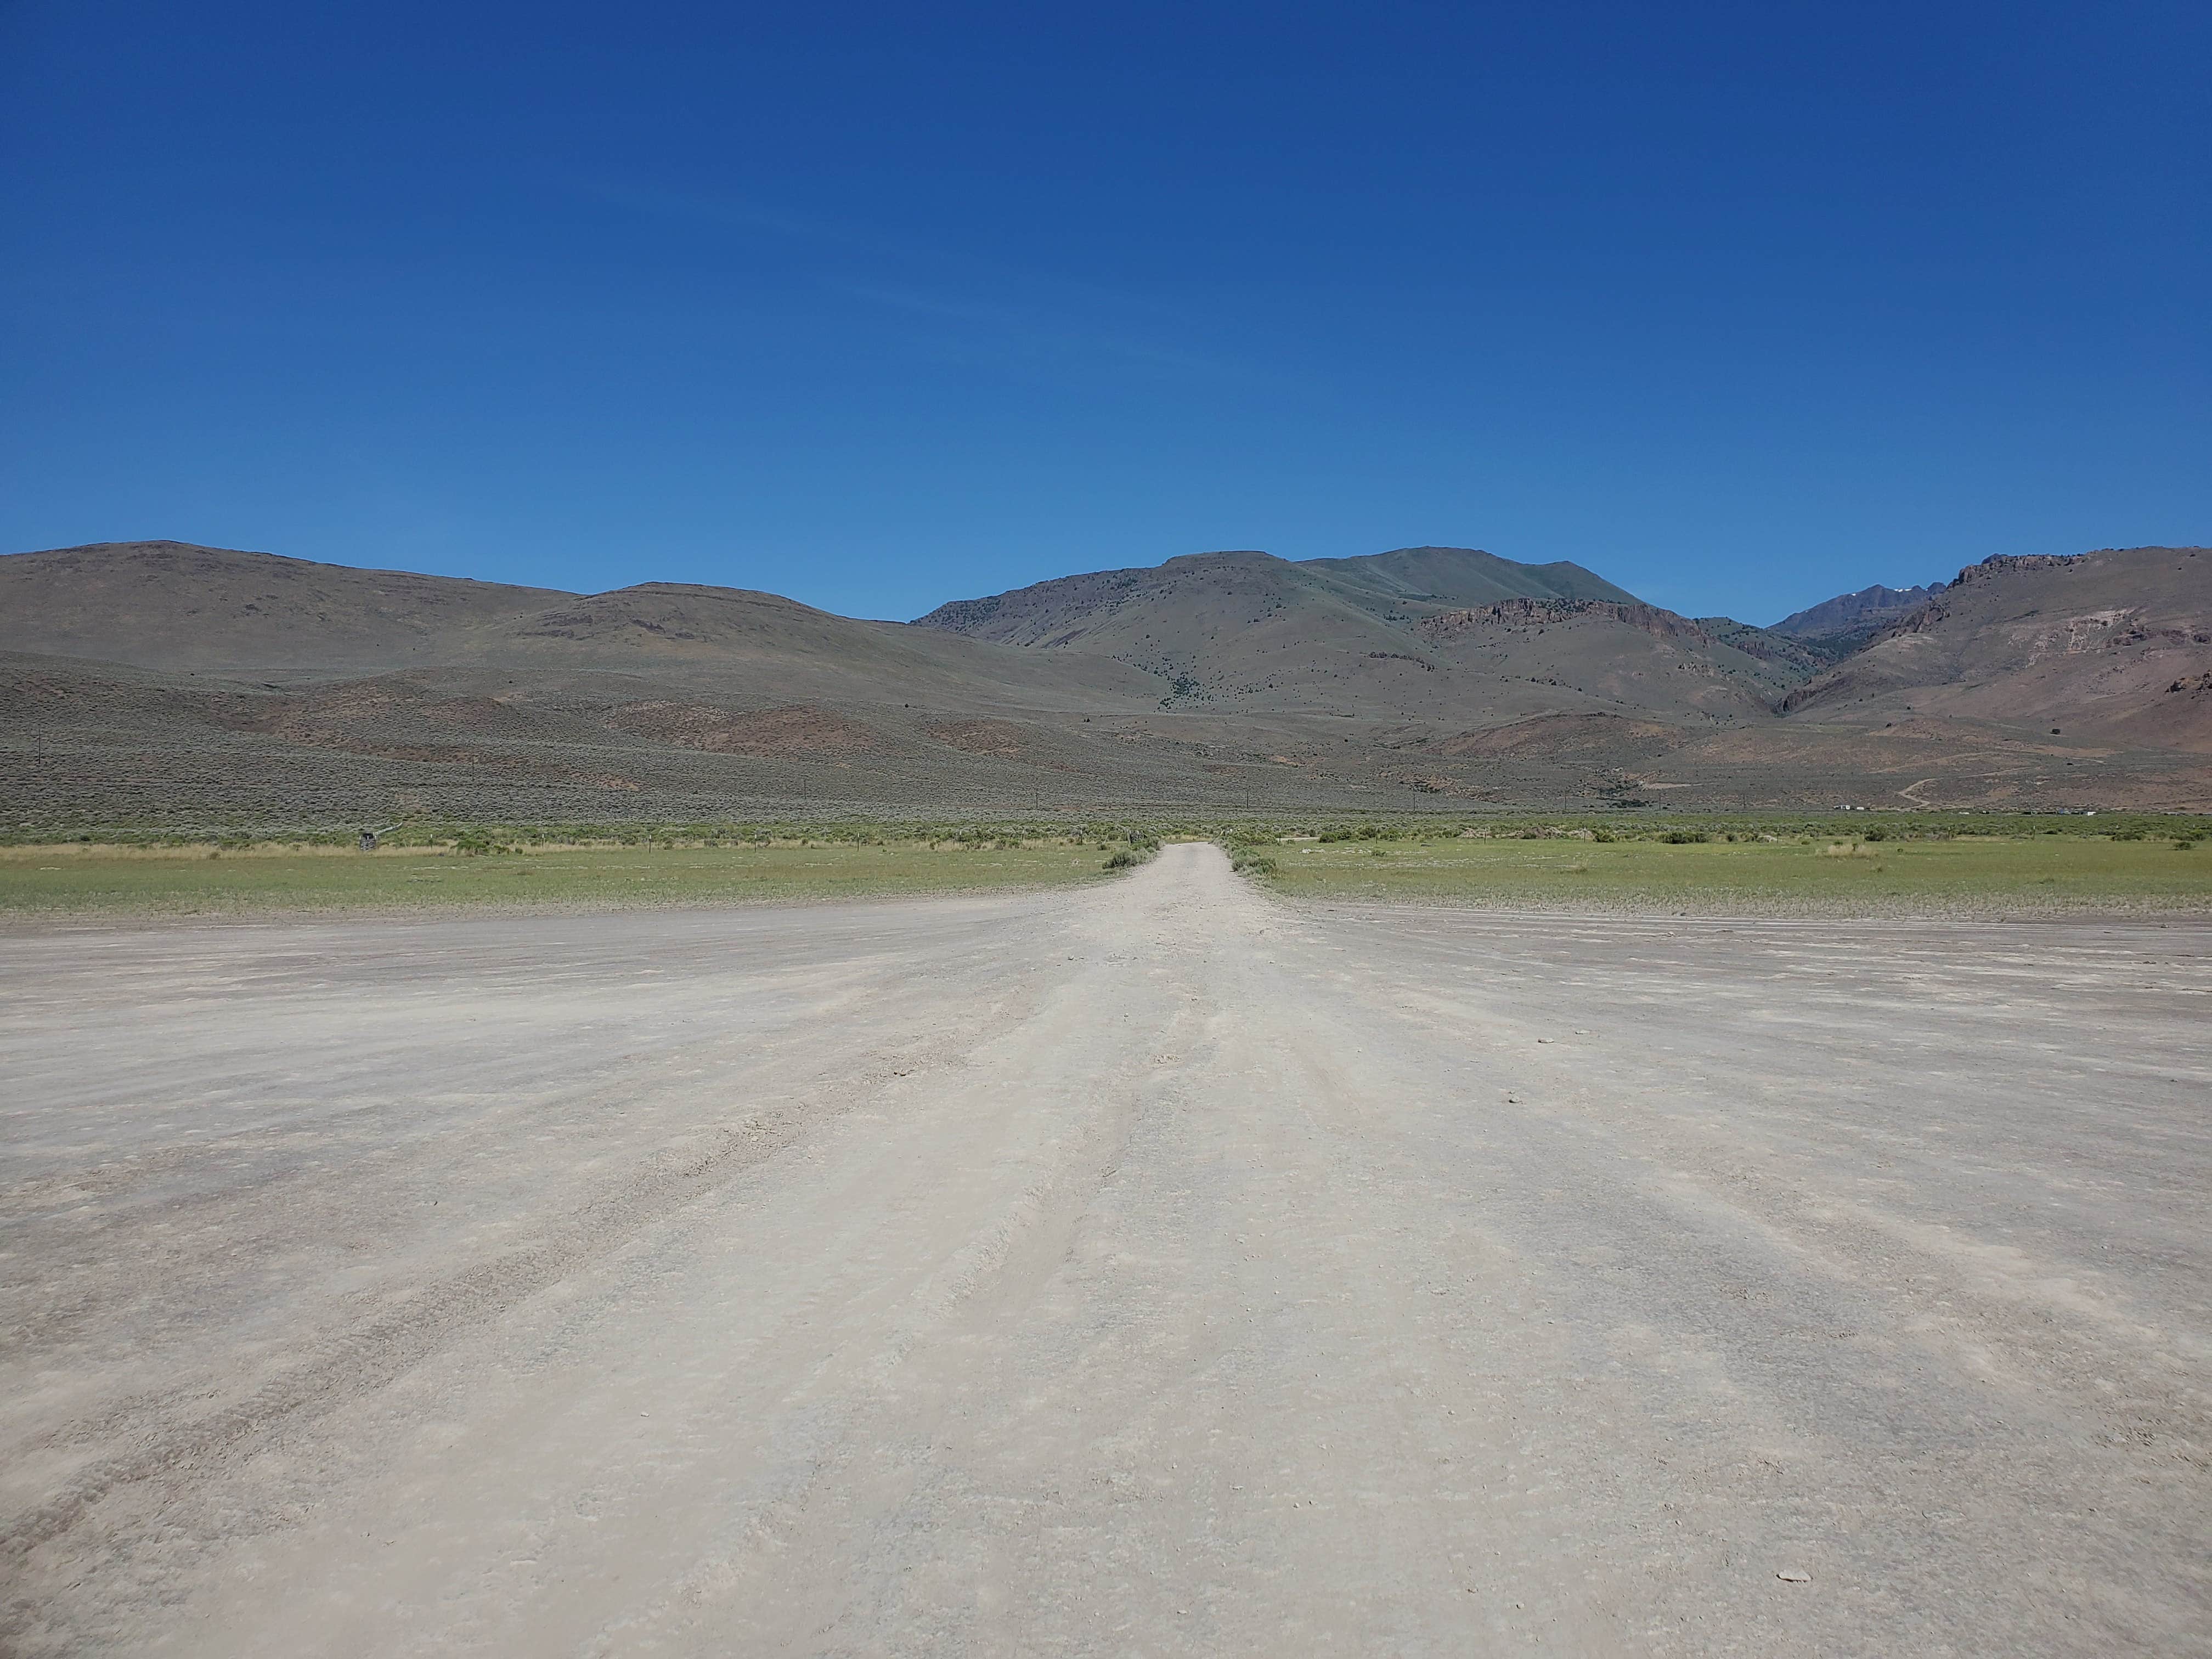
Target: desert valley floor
x=1155 y=1267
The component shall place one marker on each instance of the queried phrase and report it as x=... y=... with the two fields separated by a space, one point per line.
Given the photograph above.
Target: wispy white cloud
x=1039 y=333
x=978 y=309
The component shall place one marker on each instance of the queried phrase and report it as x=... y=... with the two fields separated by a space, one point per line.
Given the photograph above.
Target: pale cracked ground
x=1154 y=1269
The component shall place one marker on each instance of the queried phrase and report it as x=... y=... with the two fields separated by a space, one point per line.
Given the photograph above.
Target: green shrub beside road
x=1810 y=875
x=88 y=881
x=1818 y=863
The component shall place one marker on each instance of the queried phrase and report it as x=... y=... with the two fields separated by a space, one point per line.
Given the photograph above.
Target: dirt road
x=1156 y=1268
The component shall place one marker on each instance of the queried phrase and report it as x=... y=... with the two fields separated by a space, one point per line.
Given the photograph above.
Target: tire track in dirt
x=1157 y=1267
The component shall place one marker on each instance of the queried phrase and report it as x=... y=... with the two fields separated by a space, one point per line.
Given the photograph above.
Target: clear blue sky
x=1740 y=304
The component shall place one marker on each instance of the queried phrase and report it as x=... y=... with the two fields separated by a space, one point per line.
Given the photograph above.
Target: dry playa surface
x=1155 y=1267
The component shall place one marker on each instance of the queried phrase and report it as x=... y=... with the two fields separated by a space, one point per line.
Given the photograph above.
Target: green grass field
x=1818 y=876
x=1814 y=866
x=57 y=882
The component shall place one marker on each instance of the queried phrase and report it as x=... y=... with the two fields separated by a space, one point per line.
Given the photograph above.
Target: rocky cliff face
x=2088 y=642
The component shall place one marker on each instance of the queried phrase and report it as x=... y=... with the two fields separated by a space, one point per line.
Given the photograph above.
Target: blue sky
x=877 y=305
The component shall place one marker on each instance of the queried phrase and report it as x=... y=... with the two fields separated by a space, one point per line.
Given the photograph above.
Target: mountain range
x=1859 y=614
x=145 y=681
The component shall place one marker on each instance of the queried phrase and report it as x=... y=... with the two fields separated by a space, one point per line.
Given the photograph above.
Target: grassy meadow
x=89 y=879
x=1819 y=873
x=1825 y=864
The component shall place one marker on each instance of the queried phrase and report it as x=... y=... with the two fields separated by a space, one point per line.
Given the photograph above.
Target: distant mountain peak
x=1227 y=556
x=1852 y=613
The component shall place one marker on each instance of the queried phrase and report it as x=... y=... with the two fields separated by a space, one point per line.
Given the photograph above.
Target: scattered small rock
x=1794 y=1577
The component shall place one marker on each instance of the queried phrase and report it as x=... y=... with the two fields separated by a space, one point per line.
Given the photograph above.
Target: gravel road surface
x=1151 y=1268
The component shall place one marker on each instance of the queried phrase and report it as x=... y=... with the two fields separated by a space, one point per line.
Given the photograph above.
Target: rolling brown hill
x=1200 y=609
x=1099 y=609
x=144 y=682
x=2110 y=644
x=1850 y=615
x=1429 y=632
x=172 y=605
x=139 y=680
x=1568 y=675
